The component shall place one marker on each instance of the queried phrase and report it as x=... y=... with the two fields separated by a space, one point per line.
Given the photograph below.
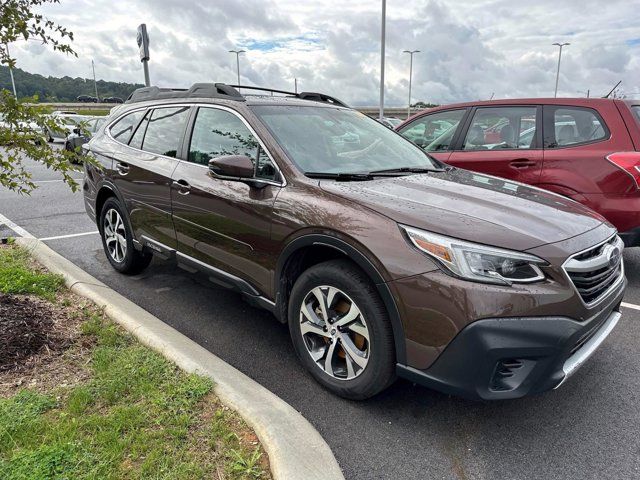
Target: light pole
x=95 y=85
x=410 y=52
x=559 y=58
x=13 y=82
x=237 y=52
x=382 y=41
x=587 y=93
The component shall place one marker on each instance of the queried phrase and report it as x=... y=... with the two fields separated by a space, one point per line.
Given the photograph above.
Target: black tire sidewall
x=380 y=370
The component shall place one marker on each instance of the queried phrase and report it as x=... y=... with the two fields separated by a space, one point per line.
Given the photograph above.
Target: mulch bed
x=28 y=327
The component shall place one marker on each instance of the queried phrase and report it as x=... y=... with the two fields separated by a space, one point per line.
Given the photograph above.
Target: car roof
x=581 y=101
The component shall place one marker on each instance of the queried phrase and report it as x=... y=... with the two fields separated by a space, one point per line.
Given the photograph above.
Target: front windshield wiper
x=343 y=177
x=408 y=170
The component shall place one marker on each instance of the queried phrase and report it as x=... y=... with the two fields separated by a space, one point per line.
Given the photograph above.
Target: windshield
x=336 y=140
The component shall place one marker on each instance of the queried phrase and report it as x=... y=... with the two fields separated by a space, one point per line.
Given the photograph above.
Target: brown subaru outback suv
x=382 y=260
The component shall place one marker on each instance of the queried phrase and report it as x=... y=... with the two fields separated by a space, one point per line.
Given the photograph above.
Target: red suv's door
x=504 y=141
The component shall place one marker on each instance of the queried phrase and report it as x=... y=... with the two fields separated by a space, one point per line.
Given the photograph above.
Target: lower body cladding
x=505 y=358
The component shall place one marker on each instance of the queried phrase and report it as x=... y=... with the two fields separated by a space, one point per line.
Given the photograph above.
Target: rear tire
x=347 y=342
x=117 y=240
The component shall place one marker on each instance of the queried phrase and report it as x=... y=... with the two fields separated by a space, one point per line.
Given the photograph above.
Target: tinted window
x=434 y=132
x=568 y=126
x=636 y=110
x=164 y=131
x=495 y=128
x=217 y=133
x=337 y=140
x=138 y=136
x=123 y=128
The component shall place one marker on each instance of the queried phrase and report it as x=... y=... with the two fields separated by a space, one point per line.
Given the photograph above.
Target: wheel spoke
x=322 y=302
x=359 y=329
x=311 y=327
x=352 y=351
x=328 y=361
x=350 y=316
x=310 y=315
x=350 y=370
x=318 y=354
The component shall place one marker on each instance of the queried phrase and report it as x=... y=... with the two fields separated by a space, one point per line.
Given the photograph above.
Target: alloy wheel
x=334 y=332
x=115 y=235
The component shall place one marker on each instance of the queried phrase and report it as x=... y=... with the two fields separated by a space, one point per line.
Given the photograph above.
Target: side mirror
x=76 y=130
x=232 y=167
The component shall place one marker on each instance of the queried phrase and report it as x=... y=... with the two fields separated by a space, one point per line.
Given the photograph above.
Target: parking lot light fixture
x=411 y=53
x=558 y=71
x=237 y=52
x=382 y=45
x=95 y=85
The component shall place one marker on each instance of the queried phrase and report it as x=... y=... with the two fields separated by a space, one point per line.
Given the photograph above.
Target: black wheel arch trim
x=364 y=263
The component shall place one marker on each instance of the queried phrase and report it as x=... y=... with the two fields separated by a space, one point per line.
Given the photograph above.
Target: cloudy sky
x=470 y=49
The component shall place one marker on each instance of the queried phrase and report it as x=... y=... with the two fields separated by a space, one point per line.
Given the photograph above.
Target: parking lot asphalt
x=588 y=429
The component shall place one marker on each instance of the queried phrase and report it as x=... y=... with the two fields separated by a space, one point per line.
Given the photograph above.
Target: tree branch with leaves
x=23 y=125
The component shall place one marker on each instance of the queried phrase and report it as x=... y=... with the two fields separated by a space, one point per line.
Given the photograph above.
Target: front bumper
x=631 y=237
x=504 y=358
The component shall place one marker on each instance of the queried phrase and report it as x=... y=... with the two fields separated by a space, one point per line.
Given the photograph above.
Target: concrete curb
x=296 y=450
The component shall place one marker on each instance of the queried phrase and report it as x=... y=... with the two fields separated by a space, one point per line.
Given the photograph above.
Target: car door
x=435 y=132
x=142 y=172
x=505 y=141
x=225 y=224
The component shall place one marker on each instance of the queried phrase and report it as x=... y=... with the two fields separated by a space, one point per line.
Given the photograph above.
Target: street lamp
x=95 y=85
x=410 y=52
x=559 y=58
x=237 y=52
x=587 y=92
x=382 y=41
x=13 y=82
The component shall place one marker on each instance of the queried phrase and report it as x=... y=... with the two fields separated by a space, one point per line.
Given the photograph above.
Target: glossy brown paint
x=244 y=229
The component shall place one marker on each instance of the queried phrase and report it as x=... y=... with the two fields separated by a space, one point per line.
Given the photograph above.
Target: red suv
x=585 y=149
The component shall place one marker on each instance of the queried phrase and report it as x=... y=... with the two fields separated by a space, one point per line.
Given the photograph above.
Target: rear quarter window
x=572 y=126
x=123 y=128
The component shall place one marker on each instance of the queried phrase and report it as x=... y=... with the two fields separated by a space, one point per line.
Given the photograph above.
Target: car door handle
x=522 y=163
x=183 y=186
x=122 y=168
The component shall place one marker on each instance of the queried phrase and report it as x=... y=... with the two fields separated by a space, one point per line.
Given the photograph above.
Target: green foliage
x=65 y=89
x=21 y=125
x=17 y=277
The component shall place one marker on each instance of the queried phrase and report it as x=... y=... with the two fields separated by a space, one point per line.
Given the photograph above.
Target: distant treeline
x=65 y=89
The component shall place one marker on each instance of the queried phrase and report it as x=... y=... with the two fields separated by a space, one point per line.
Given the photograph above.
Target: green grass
x=17 y=276
x=136 y=417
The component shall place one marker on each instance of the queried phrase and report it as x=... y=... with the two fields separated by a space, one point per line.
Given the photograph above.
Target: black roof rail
x=197 y=90
x=221 y=90
x=313 y=96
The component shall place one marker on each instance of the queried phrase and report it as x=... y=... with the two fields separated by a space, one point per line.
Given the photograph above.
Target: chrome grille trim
x=591 y=270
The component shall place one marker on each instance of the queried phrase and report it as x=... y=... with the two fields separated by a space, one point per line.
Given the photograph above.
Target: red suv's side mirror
x=232 y=167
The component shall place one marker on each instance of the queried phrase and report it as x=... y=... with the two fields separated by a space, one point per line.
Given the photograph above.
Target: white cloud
x=469 y=49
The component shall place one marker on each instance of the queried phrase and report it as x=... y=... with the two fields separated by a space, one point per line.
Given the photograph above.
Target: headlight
x=477 y=262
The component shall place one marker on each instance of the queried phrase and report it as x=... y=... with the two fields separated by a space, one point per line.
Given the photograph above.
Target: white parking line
x=70 y=235
x=16 y=228
x=630 y=305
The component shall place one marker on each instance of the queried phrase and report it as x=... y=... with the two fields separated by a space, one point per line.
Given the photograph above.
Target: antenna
x=612 y=90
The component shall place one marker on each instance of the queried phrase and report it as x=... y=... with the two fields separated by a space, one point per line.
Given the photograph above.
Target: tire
x=118 y=247
x=361 y=337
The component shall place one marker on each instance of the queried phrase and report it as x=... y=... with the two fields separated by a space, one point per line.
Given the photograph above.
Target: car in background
x=30 y=130
x=587 y=149
x=87 y=99
x=112 y=100
x=78 y=137
x=390 y=122
x=66 y=124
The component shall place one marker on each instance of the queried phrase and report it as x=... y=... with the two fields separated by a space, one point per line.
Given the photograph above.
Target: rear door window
x=123 y=128
x=434 y=132
x=502 y=128
x=165 y=130
x=572 y=126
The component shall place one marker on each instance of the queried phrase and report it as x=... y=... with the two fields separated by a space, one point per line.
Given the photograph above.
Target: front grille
x=594 y=271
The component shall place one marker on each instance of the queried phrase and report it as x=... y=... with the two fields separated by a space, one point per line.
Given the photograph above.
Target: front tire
x=117 y=240
x=341 y=330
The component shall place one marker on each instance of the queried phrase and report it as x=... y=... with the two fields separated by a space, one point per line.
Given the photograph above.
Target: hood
x=473 y=207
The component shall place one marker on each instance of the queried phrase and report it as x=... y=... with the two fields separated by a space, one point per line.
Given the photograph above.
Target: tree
x=22 y=125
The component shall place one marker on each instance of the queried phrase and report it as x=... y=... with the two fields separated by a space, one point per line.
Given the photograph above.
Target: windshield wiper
x=408 y=170
x=343 y=177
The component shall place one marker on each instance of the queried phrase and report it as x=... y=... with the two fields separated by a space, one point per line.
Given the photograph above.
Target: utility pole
x=382 y=42
x=237 y=52
x=95 y=85
x=411 y=53
x=558 y=72
x=13 y=82
x=295 y=85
